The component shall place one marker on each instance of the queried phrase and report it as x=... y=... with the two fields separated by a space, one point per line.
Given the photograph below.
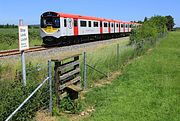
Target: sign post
x=23 y=45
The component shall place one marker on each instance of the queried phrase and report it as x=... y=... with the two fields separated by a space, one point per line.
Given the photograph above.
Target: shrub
x=148 y=32
x=12 y=94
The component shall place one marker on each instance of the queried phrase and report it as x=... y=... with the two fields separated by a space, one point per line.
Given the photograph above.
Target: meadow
x=9 y=38
x=37 y=70
x=148 y=89
x=147 y=86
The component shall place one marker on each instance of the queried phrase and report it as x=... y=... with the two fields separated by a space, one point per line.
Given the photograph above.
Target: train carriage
x=57 y=26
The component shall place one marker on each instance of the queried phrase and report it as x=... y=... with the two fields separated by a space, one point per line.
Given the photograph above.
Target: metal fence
x=103 y=63
x=94 y=66
x=34 y=96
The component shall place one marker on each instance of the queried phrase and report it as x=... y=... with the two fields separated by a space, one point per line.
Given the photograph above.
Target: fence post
x=117 y=55
x=23 y=67
x=85 y=70
x=50 y=85
x=23 y=61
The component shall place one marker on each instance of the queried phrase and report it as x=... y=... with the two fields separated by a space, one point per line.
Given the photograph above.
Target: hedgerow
x=147 y=34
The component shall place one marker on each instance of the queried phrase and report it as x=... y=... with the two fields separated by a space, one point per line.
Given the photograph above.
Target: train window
x=112 y=25
x=75 y=22
x=65 y=23
x=130 y=25
x=89 y=22
x=117 y=25
x=83 y=23
x=126 y=26
x=50 y=21
x=122 y=25
x=95 y=24
x=105 y=24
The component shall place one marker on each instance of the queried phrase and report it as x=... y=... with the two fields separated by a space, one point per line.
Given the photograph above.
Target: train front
x=50 y=27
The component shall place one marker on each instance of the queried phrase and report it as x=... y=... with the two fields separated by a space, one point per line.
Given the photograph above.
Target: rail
x=17 y=52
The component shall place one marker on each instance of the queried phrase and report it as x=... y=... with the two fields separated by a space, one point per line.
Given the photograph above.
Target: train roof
x=87 y=17
x=82 y=17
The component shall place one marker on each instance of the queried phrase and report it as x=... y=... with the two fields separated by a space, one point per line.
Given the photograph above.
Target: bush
x=12 y=94
x=148 y=33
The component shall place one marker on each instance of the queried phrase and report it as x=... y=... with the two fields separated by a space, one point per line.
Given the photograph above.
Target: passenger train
x=60 y=27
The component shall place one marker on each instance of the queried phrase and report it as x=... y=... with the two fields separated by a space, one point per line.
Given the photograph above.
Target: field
x=37 y=69
x=9 y=38
x=148 y=90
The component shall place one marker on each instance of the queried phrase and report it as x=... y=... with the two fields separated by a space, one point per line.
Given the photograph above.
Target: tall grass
x=106 y=61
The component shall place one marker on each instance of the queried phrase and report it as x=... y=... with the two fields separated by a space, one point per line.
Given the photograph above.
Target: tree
x=145 y=19
x=170 y=22
x=140 y=22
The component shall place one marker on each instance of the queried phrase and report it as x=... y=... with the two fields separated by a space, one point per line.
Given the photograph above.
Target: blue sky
x=127 y=10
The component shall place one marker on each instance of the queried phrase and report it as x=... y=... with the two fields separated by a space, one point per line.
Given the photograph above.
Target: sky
x=126 y=10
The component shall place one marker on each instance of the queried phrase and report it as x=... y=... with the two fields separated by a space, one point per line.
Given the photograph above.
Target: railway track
x=54 y=49
x=16 y=51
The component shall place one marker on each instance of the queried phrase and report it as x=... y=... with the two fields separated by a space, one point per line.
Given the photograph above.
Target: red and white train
x=57 y=27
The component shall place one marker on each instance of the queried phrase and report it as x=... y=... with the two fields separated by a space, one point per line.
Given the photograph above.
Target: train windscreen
x=50 y=21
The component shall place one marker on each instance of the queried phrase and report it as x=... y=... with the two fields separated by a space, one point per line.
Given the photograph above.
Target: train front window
x=50 y=21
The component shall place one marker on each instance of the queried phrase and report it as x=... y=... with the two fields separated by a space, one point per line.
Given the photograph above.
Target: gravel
x=65 y=50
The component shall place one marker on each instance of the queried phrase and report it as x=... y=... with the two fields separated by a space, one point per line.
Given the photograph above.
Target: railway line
x=44 y=50
x=16 y=51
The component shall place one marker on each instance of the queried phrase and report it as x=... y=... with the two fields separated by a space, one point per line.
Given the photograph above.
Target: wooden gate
x=67 y=77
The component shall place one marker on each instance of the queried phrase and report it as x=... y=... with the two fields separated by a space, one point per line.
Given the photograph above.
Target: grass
x=9 y=38
x=105 y=60
x=148 y=90
x=9 y=79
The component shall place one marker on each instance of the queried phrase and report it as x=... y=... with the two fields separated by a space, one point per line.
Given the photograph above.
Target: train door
x=109 y=27
x=101 y=27
x=112 y=27
x=75 y=27
x=69 y=28
x=64 y=27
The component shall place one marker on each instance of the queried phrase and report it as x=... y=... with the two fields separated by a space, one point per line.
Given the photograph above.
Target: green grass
x=105 y=60
x=9 y=38
x=148 y=90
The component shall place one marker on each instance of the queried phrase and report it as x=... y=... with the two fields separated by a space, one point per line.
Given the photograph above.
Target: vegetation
x=139 y=81
x=170 y=22
x=148 y=90
x=9 y=38
x=148 y=33
x=12 y=93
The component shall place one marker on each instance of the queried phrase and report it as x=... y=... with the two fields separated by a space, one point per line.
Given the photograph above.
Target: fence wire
x=103 y=62
x=13 y=93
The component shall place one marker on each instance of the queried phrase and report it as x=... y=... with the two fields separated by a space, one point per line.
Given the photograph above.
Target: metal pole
x=23 y=67
x=12 y=114
x=50 y=85
x=85 y=70
x=23 y=61
x=118 y=55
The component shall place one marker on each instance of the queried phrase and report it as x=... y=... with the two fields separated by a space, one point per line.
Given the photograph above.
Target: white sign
x=23 y=38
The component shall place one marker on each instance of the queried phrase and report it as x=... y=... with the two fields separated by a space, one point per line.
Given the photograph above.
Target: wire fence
x=31 y=98
x=104 y=62
x=22 y=103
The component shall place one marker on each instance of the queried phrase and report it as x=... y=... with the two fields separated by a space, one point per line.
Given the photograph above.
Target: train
x=57 y=28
